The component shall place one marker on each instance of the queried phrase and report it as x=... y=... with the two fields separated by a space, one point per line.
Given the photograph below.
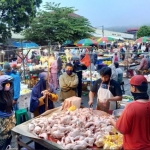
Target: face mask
x=77 y=63
x=140 y=96
x=7 y=88
x=69 y=72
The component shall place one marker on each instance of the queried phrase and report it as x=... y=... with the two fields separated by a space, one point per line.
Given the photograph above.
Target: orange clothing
x=52 y=97
x=134 y=124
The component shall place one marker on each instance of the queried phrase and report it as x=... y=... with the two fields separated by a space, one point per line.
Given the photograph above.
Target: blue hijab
x=36 y=94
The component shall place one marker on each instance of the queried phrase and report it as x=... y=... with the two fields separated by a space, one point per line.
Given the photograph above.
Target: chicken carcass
x=57 y=134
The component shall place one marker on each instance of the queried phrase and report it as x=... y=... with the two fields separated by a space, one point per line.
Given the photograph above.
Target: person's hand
x=45 y=92
x=14 y=102
x=90 y=102
x=112 y=121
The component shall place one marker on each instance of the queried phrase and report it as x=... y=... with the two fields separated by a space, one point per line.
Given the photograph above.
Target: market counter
x=22 y=129
x=24 y=99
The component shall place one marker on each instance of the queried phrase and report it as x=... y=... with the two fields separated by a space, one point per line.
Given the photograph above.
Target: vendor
x=68 y=83
x=134 y=123
x=144 y=63
x=78 y=67
x=39 y=94
x=108 y=92
x=7 y=117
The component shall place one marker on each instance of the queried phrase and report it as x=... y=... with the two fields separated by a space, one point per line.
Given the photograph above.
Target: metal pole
x=48 y=78
x=103 y=31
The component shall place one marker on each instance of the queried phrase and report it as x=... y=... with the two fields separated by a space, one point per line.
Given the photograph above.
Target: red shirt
x=134 y=124
x=116 y=59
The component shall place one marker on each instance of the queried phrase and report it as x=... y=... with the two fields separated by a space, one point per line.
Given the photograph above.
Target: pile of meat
x=77 y=129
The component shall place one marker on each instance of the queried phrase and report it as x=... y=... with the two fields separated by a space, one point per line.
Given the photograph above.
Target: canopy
x=86 y=42
x=105 y=39
x=143 y=39
x=25 y=45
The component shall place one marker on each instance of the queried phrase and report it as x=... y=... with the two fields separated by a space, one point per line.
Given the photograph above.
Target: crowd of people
x=133 y=124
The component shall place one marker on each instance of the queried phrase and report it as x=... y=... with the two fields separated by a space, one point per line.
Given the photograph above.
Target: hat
x=138 y=80
x=6 y=66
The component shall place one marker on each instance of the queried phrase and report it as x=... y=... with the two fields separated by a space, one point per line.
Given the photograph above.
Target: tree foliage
x=58 y=24
x=143 y=31
x=15 y=15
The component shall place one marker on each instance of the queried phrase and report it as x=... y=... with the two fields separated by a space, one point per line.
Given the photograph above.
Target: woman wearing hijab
x=7 y=117
x=39 y=94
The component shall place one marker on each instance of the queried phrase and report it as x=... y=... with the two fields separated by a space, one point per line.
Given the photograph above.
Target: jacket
x=68 y=85
x=16 y=84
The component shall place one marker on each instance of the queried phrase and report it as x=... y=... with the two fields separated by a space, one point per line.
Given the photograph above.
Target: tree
x=16 y=15
x=58 y=24
x=143 y=31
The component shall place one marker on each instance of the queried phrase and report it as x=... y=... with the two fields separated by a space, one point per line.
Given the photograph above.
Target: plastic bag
x=10 y=148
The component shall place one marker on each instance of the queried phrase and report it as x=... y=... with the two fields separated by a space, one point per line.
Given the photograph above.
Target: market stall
x=91 y=129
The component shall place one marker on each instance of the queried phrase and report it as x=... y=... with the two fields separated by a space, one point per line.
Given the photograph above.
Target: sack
x=10 y=148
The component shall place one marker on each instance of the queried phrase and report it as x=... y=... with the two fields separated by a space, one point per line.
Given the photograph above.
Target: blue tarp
x=25 y=45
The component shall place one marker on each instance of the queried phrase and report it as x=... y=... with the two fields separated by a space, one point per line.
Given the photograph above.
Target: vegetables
x=128 y=97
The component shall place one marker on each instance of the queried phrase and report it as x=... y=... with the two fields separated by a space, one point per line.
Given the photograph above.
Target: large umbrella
x=25 y=45
x=143 y=39
x=86 y=42
x=105 y=39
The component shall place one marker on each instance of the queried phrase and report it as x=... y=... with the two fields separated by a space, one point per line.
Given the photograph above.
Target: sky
x=111 y=13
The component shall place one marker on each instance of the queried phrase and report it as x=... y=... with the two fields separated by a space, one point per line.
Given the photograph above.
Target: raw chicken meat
x=77 y=129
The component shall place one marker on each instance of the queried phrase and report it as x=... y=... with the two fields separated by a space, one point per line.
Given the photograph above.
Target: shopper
x=68 y=83
x=53 y=73
x=16 y=83
x=119 y=72
x=134 y=122
x=39 y=94
x=108 y=92
x=7 y=117
x=78 y=68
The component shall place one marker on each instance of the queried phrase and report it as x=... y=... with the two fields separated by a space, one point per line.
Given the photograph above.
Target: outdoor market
x=87 y=60
x=61 y=88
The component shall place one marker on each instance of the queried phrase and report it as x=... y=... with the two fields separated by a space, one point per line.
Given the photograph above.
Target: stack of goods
x=125 y=100
x=76 y=129
x=37 y=67
x=63 y=58
x=87 y=76
x=128 y=62
x=100 y=52
x=25 y=91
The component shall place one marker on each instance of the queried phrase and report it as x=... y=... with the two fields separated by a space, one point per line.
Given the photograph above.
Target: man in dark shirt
x=108 y=92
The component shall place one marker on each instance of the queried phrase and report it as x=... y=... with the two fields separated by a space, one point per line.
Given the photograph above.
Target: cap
x=6 y=66
x=138 y=80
